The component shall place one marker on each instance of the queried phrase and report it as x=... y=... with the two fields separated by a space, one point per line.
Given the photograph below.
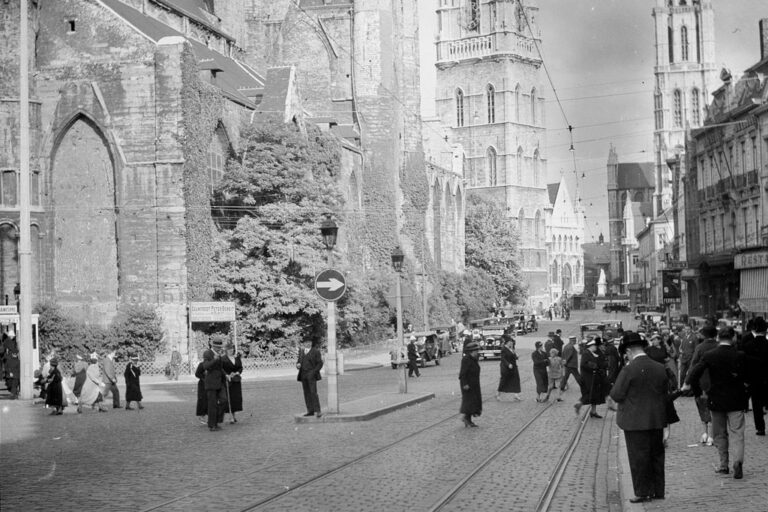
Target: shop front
x=753 y=290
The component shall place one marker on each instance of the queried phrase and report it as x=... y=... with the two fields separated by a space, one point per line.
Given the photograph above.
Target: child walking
x=554 y=374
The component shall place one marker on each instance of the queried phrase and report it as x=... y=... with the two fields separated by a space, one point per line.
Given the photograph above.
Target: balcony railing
x=485 y=45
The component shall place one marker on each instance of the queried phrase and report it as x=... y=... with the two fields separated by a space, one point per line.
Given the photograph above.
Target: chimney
x=763 y=24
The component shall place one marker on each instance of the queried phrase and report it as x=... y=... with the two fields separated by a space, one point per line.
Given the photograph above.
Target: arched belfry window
x=536 y=169
x=678 y=106
x=490 y=159
x=521 y=222
x=218 y=151
x=459 y=107
x=684 y=43
x=533 y=106
x=517 y=103
x=519 y=165
x=695 y=108
x=490 y=98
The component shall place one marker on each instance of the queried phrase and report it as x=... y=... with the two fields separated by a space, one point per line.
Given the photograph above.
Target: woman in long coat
x=510 y=376
x=54 y=395
x=593 y=367
x=91 y=393
x=201 y=409
x=540 y=363
x=232 y=365
x=469 y=378
x=132 y=376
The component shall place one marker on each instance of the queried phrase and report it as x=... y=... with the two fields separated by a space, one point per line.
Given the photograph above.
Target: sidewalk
x=691 y=482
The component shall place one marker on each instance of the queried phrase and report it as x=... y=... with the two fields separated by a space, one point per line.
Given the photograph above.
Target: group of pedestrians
x=219 y=385
x=92 y=381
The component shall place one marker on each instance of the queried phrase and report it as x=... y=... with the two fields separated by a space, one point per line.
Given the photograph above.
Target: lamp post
x=329 y=230
x=397 y=264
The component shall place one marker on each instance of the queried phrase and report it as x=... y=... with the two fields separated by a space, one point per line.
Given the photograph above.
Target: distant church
x=489 y=95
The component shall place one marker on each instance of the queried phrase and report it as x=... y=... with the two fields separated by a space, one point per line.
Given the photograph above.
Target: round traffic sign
x=330 y=284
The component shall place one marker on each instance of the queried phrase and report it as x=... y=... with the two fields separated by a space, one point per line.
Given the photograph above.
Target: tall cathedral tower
x=489 y=85
x=685 y=75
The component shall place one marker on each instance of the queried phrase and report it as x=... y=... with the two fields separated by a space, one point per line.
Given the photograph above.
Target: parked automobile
x=591 y=330
x=612 y=328
x=490 y=348
x=617 y=306
x=640 y=309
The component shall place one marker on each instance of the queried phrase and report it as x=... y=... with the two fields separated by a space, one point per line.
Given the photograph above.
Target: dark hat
x=471 y=347
x=726 y=333
x=708 y=331
x=759 y=324
x=217 y=343
x=559 y=331
x=537 y=344
x=550 y=333
x=632 y=338
x=134 y=357
x=54 y=362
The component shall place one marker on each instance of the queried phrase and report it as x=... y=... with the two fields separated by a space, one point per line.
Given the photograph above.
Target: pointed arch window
x=521 y=222
x=459 y=107
x=536 y=168
x=519 y=165
x=490 y=163
x=684 y=42
x=517 y=103
x=695 y=109
x=658 y=110
x=533 y=106
x=678 y=106
x=490 y=98
x=537 y=227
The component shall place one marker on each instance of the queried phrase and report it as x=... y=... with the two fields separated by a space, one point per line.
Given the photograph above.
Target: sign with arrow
x=330 y=285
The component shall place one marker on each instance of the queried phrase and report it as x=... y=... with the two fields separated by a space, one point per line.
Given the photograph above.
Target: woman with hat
x=469 y=378
x=132 y=376
x=232 y=365
x=92 y=386
x=593 y=367
x=510 y=376
x=54 y=396
x=540 y=363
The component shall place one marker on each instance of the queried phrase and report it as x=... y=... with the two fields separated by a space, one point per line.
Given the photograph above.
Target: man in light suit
x=641 y=394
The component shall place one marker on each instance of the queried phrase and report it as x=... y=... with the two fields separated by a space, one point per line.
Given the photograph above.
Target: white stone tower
x=489 y=85
x=685 y=74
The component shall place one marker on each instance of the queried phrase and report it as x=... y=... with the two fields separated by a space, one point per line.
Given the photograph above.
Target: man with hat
x=558 y=341
x=214 y=386
x=708 y=342
x=592 y=366
x=727 y=398
x=641 y=394
x=12 y=363
x=132 y=376
x=413 y=356
x=469 y=379
x=54 y=394
x=570 y=363
x=309 y=364
x=109 y=376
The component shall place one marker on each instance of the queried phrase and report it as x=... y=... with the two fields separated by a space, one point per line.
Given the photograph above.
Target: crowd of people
x=640 y=375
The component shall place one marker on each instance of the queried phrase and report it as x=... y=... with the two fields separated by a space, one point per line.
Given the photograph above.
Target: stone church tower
x=685 y=74
x=489 y=83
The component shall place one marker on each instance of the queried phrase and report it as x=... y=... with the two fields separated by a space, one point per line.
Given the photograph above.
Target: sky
x=600 y=56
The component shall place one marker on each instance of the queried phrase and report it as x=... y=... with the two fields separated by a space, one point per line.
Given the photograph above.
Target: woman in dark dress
x=132 y=376
x=54 y=396
x=201 y=409
x=232 y=365
x=469 y=378
x=510 y=376
x=540 y=363
x=593 y=375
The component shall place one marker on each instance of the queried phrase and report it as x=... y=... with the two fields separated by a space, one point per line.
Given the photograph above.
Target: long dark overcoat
x=540 y=363
x=235 y=386
x=132 y=383
x=594 y=383
x=54 y=397
x=201 y=409
x=469 y=375
x=510 y=376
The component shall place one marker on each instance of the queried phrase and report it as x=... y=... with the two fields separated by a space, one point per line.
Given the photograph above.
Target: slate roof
x=235 y=79
x=634 y=175
x=552 y=190
x=197 y=11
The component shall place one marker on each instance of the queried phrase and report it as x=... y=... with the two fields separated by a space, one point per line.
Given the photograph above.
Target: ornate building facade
x=489 y=87
x=565 y=232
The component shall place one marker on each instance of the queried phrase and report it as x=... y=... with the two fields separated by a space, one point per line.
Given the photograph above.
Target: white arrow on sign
x=332 y=284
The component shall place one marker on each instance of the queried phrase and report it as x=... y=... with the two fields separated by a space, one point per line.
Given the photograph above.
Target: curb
x=364 y=416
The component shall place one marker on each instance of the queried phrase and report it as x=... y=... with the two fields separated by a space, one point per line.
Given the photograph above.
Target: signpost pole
x=333 y=389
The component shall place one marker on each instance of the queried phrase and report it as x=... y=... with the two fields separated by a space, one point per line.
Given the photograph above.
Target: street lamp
x=329 y=230
x=397 y=264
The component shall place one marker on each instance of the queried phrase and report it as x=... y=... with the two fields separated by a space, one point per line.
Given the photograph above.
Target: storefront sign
x=670 y=280
x=751 y=260
x=212 y=311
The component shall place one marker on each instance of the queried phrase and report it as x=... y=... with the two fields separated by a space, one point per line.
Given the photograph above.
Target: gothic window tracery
x=678 y=106
x=459 y=107
x=490 y=157
x=684 y=42
x=695 y=109
x=490 y=98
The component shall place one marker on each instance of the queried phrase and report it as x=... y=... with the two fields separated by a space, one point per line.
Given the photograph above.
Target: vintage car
x=616 y=306
x=490 y=347
x=591 y=330
x=641 y=309
x=612 y=328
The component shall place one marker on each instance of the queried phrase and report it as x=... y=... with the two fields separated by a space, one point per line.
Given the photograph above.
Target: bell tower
x=685 y=75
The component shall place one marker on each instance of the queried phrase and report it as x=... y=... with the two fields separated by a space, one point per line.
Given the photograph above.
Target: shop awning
x=753 y=291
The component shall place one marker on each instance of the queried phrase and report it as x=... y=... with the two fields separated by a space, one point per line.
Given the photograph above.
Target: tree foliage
x=270 y=205
x=493 y=245
x=469 y=295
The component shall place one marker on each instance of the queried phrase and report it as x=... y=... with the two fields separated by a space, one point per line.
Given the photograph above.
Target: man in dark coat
x=12 y=364
x=727 y=398
x=756 y=347
x=614 y=363
x=413 y=356
x=469 y=379
x=309 y=365
x=132 y=375
x=570 y=363
x=557 y=342
x=214 y=388
x=641 y=394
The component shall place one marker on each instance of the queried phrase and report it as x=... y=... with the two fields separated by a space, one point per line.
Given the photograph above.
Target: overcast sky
x=600 y=56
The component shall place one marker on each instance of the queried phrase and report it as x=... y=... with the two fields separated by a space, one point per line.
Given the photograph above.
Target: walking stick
x=229 y=404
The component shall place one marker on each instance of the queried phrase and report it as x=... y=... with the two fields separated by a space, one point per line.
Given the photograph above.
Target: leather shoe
x=214 y=429
x=722 y=471
x=738 y=473
x=309 y=414
x=594 y=415
x=760 y=432
x=639 y=499
x=319 y=415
